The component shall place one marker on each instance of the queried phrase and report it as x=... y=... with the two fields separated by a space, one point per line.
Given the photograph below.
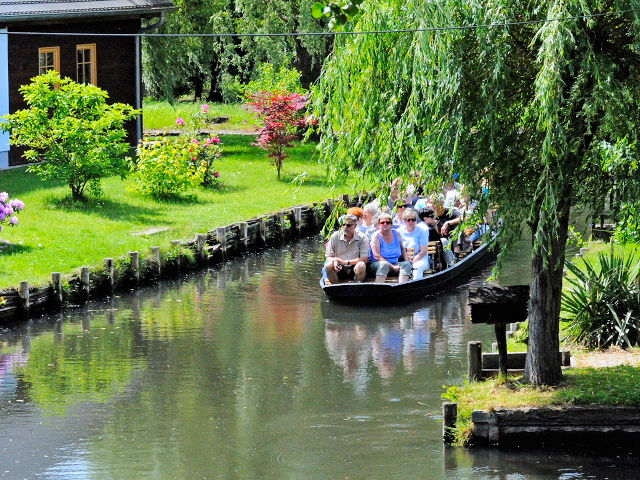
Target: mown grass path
x=55 y=234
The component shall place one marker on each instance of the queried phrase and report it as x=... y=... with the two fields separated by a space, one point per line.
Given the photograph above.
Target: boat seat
x=477 y=244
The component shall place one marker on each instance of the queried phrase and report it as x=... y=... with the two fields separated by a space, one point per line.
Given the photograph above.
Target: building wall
x=116 y=61
x=4 y=95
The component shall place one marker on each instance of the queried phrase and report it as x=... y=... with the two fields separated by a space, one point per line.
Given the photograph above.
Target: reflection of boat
x=372 y=292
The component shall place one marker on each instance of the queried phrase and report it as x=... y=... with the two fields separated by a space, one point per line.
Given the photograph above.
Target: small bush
x=602 y=304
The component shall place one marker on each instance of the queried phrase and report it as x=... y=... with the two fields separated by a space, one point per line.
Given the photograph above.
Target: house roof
x=31 y=10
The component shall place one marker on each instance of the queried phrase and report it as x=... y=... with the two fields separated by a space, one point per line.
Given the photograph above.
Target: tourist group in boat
x=407 y=238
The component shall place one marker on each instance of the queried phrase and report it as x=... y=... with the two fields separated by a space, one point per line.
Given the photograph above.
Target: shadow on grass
x=14 y=248
x=103 y=207
x=306 y=180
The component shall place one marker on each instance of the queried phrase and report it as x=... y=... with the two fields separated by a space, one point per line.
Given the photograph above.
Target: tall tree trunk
x=543 y=362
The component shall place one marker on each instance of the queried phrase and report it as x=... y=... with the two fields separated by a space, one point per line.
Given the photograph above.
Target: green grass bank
x=56 y=234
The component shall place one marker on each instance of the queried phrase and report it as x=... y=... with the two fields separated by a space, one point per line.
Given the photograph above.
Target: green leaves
x=339 y=13
x=71 y=130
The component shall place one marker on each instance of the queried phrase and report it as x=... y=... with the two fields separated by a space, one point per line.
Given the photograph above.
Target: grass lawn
x=158 y=115
x=56 y=234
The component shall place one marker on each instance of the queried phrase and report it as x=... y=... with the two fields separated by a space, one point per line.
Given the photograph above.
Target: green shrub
x=71 y=130
x=602 y=303
x=164 y=168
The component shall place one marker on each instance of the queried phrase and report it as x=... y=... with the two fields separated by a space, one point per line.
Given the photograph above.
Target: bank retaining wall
x=135 y=269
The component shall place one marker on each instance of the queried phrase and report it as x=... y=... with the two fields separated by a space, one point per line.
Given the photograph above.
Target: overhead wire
x=334 y=33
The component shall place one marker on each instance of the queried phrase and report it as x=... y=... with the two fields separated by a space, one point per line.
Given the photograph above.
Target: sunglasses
x=385 y=222
x=406 y=205
x=347 y=225
x=410 y=220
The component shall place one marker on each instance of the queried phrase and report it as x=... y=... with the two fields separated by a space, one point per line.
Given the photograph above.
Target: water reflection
x=239 y=372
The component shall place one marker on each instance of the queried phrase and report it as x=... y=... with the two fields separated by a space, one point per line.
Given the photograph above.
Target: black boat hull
x=375 y=293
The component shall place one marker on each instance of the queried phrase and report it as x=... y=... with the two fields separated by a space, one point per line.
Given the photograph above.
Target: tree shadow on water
x=106 y=208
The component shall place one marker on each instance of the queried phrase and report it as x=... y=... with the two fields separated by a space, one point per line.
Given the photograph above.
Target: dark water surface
x=246 y=372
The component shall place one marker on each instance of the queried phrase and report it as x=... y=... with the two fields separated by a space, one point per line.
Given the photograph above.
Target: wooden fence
x=137 y=268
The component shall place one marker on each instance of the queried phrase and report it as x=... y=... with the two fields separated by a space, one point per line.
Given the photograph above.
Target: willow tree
x=524 y=106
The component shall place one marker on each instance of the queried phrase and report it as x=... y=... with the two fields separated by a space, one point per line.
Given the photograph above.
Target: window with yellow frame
x=86 y=67
x=48 y=59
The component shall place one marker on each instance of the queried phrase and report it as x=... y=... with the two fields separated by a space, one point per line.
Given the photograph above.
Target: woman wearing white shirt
x=416 y=242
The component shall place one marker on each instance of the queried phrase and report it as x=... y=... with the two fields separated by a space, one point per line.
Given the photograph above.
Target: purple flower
x=9 y=210
x=179 y=121
x=195 y=141
x=4 y=196
x=205 y=108
x=13 y=220
x=16 y=204
x=2 y=215
x=216 y=174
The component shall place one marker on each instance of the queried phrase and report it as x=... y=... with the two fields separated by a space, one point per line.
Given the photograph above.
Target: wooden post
x=346 y=200
x=474 y=361
x=449 y=419
x=297 y=216
x=221 y=235
x=200 y=239
x=56 y=285
x=501 y=337
x=135 y=265
x=244 y=235
x=263 y=230
x=110 y=273
x=176 y=244
x=23 y=293
x=84 y=283
x=157 y=259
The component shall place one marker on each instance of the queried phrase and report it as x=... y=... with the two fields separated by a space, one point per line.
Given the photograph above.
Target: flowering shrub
x=281 y=114
x=8 y=209
x=169 y=166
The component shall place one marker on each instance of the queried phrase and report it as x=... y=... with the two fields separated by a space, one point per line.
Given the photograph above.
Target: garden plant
x=169 y=166
x=71 y=132
x=9 y=209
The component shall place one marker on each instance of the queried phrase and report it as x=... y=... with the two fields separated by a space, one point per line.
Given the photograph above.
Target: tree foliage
x=523 y=108
x=175 y=66
x=71 y=131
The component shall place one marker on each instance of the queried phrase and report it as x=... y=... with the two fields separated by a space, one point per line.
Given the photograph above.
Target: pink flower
x=216 y=174
x=205 y=108
x=179 y=121
x=13 y=220
x=195 y=141
x=215 y=139
x=194 y=158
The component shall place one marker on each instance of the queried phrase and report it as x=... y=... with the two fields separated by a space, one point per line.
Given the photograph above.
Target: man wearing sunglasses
x=347 y=252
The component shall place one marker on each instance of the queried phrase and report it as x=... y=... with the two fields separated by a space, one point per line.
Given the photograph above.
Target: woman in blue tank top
x=386 y=250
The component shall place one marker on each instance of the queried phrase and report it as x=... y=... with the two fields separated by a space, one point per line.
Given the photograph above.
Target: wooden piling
x=157 y=259
x=297 y=216
x=23 y=294
x=244 y=235
x=501 y=337
x=109 y=265
x=84 y=283
x=449 y=420
x=221 y=235
x=263 y=231
x=135 y=266
x=200 y=254
x=56 y=287
x=474 y=361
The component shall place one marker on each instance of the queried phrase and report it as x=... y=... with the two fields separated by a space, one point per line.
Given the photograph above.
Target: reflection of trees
x=91 y=360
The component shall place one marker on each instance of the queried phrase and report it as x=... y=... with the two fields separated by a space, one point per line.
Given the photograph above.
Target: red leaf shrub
x=281 y=114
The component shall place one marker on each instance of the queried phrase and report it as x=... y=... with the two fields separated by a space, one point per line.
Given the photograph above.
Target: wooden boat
x=370 y=292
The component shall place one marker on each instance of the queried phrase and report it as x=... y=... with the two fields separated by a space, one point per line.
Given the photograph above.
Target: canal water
x=247 y=372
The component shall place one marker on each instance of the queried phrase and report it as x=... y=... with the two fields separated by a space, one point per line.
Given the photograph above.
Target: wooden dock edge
x=615 y=425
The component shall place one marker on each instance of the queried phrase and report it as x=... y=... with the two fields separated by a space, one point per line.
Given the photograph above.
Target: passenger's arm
x=375 y=248
x=421 y=254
